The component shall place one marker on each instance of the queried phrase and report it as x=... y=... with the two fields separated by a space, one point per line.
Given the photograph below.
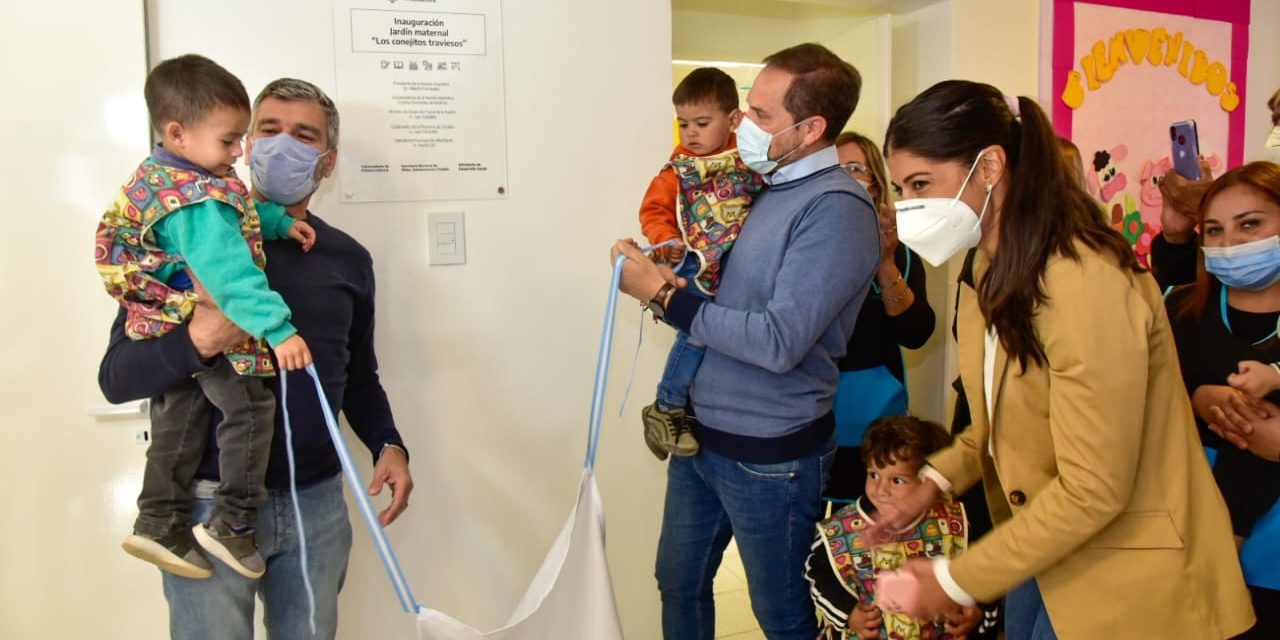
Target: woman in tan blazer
x=1109 y=524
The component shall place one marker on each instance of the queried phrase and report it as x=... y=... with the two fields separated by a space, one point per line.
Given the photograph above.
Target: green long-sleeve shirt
x=207 y=237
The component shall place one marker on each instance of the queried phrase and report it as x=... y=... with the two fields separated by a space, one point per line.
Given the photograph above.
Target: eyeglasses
x=857 y=169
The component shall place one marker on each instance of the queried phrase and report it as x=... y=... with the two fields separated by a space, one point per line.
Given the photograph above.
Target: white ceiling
x=873 y=6
x=780 y=8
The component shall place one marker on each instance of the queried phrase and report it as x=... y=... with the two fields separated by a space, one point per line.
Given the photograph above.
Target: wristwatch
x=658 y=305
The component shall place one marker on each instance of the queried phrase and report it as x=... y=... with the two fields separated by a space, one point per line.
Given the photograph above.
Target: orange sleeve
x=658 y=211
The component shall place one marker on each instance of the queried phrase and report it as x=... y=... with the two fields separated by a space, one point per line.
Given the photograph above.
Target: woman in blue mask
x=1225 y=330
x=1108 y=521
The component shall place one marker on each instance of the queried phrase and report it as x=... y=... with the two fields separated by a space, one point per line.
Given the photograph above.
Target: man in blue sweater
x=294 y=136
x=789 y=296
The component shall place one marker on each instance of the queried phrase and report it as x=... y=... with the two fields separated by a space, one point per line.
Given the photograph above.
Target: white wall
x=1264 y=75
x=489 y=365
x=993 y=41
x=74 y=126
x=749 y=30
x=921 y=57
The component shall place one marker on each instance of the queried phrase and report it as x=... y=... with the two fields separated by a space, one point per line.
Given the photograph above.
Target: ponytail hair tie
x=1012 y=101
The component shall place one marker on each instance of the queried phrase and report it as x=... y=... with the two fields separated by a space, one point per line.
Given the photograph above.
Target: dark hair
x=1264 y=177
x=875 y=161
x=187 y=88
x=1046 y=210
x=1274 y=105
x=902 y=438
x=821 y=85
x=707 y=84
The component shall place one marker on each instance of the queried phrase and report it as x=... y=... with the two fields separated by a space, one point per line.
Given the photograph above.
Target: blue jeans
x=686 y=354
x=770 y=509
x=1025 y=615
x=682 y=365
x=222 y=606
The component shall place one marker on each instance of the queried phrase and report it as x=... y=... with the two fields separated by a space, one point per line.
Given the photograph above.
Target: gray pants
x=180 y=422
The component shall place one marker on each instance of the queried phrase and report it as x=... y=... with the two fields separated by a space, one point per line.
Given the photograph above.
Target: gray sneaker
x=235 y=548
x=175 y=553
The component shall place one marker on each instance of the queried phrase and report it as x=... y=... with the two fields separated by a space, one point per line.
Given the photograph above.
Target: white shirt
x=942 y=566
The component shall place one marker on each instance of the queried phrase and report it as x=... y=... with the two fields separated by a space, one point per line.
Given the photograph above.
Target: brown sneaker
x=233 y=546
x=175 y=553
x=661 y=428
x=686 y=444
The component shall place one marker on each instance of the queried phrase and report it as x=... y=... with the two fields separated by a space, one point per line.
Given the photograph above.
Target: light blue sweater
x=788 y=300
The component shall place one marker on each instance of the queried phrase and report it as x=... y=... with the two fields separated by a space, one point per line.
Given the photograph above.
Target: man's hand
x=865 y=620
x=211 y=332
x=641 y=277
x=303 y=234
x=1180 y=209
x=293 y=354
x=393 y=470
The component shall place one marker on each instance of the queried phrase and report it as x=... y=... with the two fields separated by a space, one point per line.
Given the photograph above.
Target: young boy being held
x=700 y=197
x=843 y=564
x=184 y=223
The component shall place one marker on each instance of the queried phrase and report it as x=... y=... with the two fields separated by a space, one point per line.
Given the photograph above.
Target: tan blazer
x=1099 y=486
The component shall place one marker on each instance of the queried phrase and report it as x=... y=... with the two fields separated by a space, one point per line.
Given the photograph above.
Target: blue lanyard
x=1222 y=309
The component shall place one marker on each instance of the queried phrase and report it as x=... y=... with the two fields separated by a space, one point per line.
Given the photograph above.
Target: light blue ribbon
x=383 y=547
x=380 y=543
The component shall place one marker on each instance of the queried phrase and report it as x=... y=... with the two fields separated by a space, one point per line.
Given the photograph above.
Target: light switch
x=447 y=238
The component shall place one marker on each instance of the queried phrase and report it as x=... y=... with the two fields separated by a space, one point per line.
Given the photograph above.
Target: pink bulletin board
x=1124 y=70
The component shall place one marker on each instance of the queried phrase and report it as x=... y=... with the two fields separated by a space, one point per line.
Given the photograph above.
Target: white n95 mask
x=939 y=228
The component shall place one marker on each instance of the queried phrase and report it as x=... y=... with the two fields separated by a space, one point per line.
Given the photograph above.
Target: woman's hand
x=907 y=508
x=888 y=216
x=1229 y=412
x=932 y=601
x=1263 y=439
x=1180 y=209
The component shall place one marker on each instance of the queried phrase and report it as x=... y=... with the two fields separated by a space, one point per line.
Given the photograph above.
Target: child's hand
x=959 y=625
x=303 y=233
x=673 y=254
x=865 y=620
x=1255 y=378
x=293 y=354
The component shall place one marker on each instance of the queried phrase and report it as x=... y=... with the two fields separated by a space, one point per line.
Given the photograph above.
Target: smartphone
x=1185 y=149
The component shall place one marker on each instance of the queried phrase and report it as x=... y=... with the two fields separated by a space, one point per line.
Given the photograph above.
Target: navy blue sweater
x=330 y=291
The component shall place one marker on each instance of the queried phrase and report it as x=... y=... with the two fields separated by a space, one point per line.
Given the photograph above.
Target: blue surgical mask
x=284 y=169
x=1251 y=266
x=753 y=146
